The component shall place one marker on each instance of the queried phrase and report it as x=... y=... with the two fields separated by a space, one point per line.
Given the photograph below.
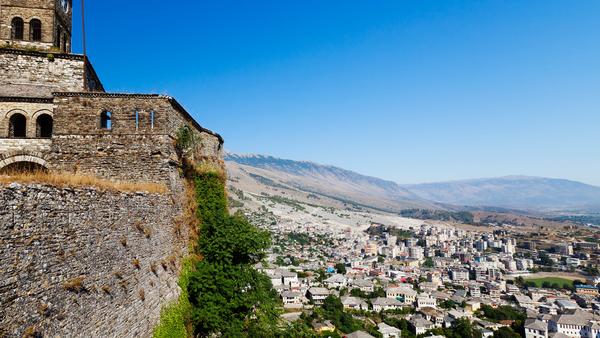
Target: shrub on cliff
x=229 y=297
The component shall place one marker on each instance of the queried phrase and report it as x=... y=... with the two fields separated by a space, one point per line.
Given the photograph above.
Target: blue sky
x=412 y=91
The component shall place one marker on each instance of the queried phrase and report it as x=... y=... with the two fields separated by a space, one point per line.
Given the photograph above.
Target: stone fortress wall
x=139 y=146
x=86 y=263
x=38 y=74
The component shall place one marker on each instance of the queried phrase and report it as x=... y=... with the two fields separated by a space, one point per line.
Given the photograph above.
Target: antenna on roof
x=84 y=45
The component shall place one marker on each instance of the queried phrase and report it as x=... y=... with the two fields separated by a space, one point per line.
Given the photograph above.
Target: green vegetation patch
x=439 y=215
x=174 y=318
x=551 y=282
x=229 y=297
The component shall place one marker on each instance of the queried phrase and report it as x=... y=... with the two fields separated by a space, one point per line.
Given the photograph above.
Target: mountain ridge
x=515 y=192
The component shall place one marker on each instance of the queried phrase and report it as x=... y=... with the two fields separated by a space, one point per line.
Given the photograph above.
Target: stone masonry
x=86 y=263
x=83 y=262
x=55 y=17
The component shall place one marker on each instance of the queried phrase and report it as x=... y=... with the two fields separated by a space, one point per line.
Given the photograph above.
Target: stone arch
x=42 y=112
x=25 y=159
x=15 y=111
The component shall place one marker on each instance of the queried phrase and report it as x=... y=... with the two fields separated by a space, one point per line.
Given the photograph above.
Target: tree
x=340 y=268
x=229 y=297
x=448 y=304
x=428 y=263
x=377 y=292
x=358 y=293
x=504 y=312
x=463 y=328
x=545 y=259
x=506 y=332
x=334 y=311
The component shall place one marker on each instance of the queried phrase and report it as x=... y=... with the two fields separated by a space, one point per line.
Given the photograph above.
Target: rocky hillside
x=505 y=194
x=325 y=181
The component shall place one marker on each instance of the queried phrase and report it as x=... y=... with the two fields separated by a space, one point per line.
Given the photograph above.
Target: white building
x=580 y=324
x=291 y=297
x=425 y=300
x=354 y=303
x=459 y=275
x=404 y=294
x=318 y=295
x=535 y=328
x=388 y=331
x=382 y=304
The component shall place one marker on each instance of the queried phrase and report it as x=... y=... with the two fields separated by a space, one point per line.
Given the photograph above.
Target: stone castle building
x=83 y=261
x=56 y=115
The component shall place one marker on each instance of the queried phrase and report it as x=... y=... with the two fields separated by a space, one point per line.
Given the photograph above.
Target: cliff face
x=85 y=262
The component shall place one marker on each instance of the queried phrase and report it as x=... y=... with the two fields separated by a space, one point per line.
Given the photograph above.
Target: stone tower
x=36 y=24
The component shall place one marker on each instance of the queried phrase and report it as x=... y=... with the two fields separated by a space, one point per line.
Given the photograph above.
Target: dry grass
x=187 y=223
x=106 y=289
x=32 y=332
x=44 y=309
x=77 y=180
x=147 y=232
x=75 y=285
x=211 y=166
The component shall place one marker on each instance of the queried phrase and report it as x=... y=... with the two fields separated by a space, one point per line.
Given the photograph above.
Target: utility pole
x=85 y=63
x=83 y=28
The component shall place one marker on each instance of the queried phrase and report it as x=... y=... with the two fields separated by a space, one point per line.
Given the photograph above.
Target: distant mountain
x=328 y=181
x=503 y=194
x=514 y=192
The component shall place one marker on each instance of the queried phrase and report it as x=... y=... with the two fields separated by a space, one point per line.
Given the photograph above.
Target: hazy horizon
x=513 y=175
x=408 y=91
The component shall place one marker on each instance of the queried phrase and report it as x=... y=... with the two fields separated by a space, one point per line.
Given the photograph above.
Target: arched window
x=106 y=120
x=44 y=126
x=17 y=126
x=17 y=26
x=35 y=30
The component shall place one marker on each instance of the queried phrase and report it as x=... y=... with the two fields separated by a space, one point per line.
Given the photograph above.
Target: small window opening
x=152 y=120
x=64 y=43
x=17 y=27
x=35 y=30
x=57 y=38
x=106 y=120
x=137 y=120
x=17 y=126
x=45 y=124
